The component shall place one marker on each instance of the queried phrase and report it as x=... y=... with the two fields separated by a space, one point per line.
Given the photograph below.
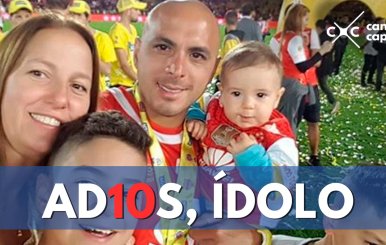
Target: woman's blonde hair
x=15 y=42
x=294 y=18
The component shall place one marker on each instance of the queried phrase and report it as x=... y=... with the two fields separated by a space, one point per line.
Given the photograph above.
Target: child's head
x=250 y=88
x=97 y=139
x=113 y=140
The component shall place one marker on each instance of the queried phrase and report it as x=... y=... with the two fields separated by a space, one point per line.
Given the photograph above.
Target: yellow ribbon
x=186 y=177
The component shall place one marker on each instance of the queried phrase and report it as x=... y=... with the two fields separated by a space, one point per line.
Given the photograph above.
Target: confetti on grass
x=357 y=133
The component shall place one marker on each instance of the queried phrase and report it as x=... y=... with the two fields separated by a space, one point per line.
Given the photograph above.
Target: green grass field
x=357 y=134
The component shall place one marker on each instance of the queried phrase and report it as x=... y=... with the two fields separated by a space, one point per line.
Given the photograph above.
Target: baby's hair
x=250 y=54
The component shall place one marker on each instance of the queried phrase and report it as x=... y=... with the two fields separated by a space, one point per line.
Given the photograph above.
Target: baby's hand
x=241 y=143
x=197 y=129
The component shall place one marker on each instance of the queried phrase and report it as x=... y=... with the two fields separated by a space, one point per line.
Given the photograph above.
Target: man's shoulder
x=235 y=34
x=101 y=36
x=119 y=98
x=247 y=21
x=133 y=29
x=118 y=28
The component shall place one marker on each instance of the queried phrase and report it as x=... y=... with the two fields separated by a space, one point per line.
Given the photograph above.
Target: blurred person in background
x=19 y=11
x=370 y=58
x=124 y=35
x=381 y=58
x=57 y=6
x=340 y=45
x=297 y=62
x=2 y=11
x=80 y=11
x=248 y=25
x=326 y=67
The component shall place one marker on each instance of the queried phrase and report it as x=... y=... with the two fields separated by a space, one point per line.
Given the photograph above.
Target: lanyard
x=186 y=177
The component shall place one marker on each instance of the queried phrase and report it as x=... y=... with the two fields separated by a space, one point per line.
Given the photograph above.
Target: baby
x=243 y=126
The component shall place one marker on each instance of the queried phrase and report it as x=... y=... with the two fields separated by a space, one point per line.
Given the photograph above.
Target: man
x=325 y=68
x=124 y=35
x=381 y=58
x=19 y=11
x=340 y=45
x=176 y=58
x=248 y=25
x=81 y=11
x=370 y=57
x=232 y=36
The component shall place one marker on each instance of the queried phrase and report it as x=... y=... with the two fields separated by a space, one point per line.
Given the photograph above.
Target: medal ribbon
x=186 y=177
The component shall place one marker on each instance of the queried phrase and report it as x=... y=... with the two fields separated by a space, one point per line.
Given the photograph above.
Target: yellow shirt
x=106 y=53
x=123 y=39
x=228 y=46
x=230 y=41
x=2 y=35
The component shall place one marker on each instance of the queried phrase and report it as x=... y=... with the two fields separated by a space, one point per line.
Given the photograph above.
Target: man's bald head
x=184 y=9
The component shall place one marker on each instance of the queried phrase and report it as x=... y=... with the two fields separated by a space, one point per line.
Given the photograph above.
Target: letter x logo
x=345 y=31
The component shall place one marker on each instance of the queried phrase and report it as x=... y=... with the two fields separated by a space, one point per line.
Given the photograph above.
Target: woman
x=300 y=66
x=50 y=75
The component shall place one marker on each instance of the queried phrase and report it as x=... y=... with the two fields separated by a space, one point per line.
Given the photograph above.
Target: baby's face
x=97 y=153
x=249 y=95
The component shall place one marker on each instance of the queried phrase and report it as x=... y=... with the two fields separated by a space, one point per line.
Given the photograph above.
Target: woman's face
x=51 y=85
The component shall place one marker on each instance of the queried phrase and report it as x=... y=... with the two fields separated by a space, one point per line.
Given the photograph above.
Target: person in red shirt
x=299 y=65
x=176 y=58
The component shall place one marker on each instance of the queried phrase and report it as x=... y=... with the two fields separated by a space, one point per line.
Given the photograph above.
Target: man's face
x=175 y=60
x=81 y=18
x=19 y=17
x=134 y=14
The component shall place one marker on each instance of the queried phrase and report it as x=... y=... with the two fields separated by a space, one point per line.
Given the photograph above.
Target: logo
x=347 y=32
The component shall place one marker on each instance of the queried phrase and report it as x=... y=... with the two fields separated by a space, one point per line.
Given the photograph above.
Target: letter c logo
x=330 y=31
